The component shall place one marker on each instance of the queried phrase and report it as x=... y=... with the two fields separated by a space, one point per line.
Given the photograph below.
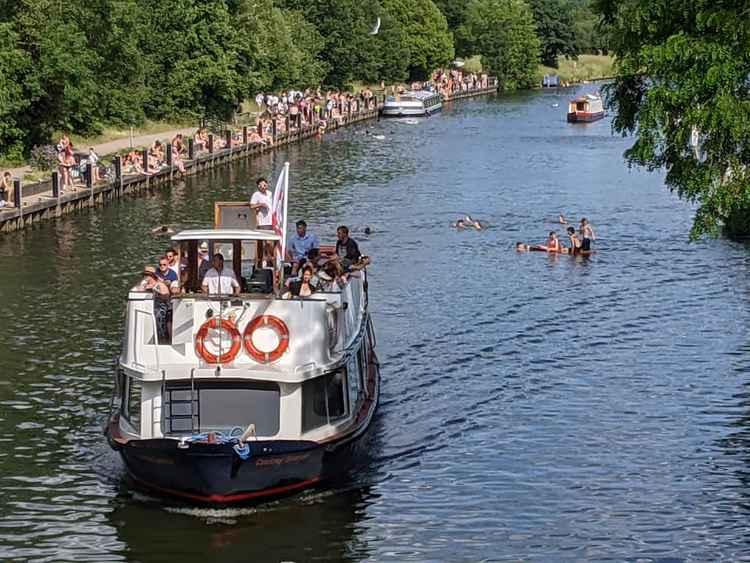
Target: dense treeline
x=80 y=65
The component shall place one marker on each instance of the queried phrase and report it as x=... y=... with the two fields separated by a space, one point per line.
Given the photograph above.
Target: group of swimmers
x=580 y=241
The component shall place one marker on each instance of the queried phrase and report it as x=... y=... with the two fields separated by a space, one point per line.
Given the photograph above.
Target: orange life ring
x=218 y=324
x=281 y=330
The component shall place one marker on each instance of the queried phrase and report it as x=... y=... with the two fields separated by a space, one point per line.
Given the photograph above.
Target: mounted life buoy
x=221 y=325
x=281 y=331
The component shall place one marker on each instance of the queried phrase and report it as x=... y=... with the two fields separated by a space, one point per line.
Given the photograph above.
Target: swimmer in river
x=162 y=230
x=467 y=223
x=553 y=245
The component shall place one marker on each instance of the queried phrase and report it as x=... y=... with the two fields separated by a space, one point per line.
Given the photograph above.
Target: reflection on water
x=534 y=407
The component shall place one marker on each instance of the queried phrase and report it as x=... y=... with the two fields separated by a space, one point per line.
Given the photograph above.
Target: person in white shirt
x=220 y=280
x=94 y=162
x=261 y=202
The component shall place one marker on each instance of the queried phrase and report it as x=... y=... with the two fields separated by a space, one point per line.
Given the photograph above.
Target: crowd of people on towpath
x=278 y=113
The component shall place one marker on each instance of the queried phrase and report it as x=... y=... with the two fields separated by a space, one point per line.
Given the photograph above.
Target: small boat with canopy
x=584 y=109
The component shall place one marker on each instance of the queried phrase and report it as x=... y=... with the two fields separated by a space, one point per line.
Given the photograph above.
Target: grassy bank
x=587 y=67
x=110 y=134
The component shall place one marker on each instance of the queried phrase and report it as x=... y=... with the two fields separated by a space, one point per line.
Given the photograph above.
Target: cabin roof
x=225 y=234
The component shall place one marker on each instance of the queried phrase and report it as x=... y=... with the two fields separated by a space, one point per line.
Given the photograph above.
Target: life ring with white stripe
x=223 y=357
x=282 y=331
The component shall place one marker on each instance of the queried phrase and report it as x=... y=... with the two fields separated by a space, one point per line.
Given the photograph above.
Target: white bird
x=376 y=28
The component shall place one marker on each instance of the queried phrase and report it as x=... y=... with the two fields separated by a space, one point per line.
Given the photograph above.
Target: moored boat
x=585 y=108
x=412 y=104
x=247 y=395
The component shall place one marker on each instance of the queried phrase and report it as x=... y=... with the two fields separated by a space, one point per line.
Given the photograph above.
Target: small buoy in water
x=555 y=105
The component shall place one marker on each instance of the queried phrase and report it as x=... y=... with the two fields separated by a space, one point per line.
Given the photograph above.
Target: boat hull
x=213 y=474
x=584 y=117
x=409 y=112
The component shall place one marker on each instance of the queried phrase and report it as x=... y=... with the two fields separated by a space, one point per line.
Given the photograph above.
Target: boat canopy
x=226 y=234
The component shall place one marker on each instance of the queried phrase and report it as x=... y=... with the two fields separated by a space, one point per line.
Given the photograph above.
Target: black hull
x=214 y=474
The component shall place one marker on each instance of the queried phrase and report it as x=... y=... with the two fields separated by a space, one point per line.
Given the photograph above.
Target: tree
x=425 y=29
x=344 y=24
x=682 y=80
x=591 y=35
x=503 y=32
x=14 y=65
x=555 y=24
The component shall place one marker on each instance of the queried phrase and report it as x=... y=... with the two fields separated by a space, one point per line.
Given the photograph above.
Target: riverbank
x=39 y=201
x=587 y=68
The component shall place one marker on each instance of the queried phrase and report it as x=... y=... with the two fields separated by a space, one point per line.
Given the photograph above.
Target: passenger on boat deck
x=346 y=248
x=262 y=201
x=162 y=306
x=302 y=287
x=220 y=280
x=168 y=275
x=204 y=264
x=300 y=246
x=171 y=255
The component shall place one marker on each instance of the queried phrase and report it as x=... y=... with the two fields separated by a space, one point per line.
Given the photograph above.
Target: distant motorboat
x=585 y=109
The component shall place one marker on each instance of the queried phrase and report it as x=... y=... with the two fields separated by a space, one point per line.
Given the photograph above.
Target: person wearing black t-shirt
x=346 y=248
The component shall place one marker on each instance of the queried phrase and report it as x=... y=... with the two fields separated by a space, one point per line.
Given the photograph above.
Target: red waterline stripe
x=233 y=498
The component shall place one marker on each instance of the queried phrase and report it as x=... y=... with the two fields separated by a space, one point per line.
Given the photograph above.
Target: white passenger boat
x=250 y=395
x=414 y=103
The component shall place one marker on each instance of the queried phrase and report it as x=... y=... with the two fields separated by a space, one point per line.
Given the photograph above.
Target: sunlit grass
x=587 y=67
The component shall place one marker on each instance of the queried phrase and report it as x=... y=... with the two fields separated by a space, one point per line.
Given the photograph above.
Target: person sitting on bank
x=220 y=280
x=346 y=248
x=261 y=202
x=6 y=188
x=301 y=245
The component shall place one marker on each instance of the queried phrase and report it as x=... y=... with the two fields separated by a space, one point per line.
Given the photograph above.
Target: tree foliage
x=503 y=31
x=683 y=76
x=556 y=29
x=425 y=32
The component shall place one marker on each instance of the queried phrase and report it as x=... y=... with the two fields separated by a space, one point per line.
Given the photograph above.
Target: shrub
x=43 y=157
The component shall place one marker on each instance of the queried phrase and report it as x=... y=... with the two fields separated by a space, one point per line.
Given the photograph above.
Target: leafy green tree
x=591 y=34
x=15 y=64
x=683 y=81
x=344 y=24
x=555 y=24
x=426 y=31
x=504 y=33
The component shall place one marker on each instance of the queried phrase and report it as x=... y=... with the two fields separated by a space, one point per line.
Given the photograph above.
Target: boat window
x=221 y=407
x=324 y=400
x=131 y=408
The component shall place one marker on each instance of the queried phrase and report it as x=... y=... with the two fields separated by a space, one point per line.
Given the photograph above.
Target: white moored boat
x=414 y=103
x=249 y=395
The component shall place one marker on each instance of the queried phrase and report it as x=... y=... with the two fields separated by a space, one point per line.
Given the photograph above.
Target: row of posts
x=295 y=120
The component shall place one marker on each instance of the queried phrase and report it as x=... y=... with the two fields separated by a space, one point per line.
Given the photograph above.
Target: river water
x=534 y=408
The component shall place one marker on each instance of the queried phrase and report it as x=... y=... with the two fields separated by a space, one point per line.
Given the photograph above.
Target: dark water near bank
x=534 y=408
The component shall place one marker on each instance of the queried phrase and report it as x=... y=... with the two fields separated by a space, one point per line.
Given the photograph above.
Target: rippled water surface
x=534 y=408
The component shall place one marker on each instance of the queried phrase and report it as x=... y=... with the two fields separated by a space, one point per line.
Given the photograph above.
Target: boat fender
x=215 y=323
x=282 y=332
